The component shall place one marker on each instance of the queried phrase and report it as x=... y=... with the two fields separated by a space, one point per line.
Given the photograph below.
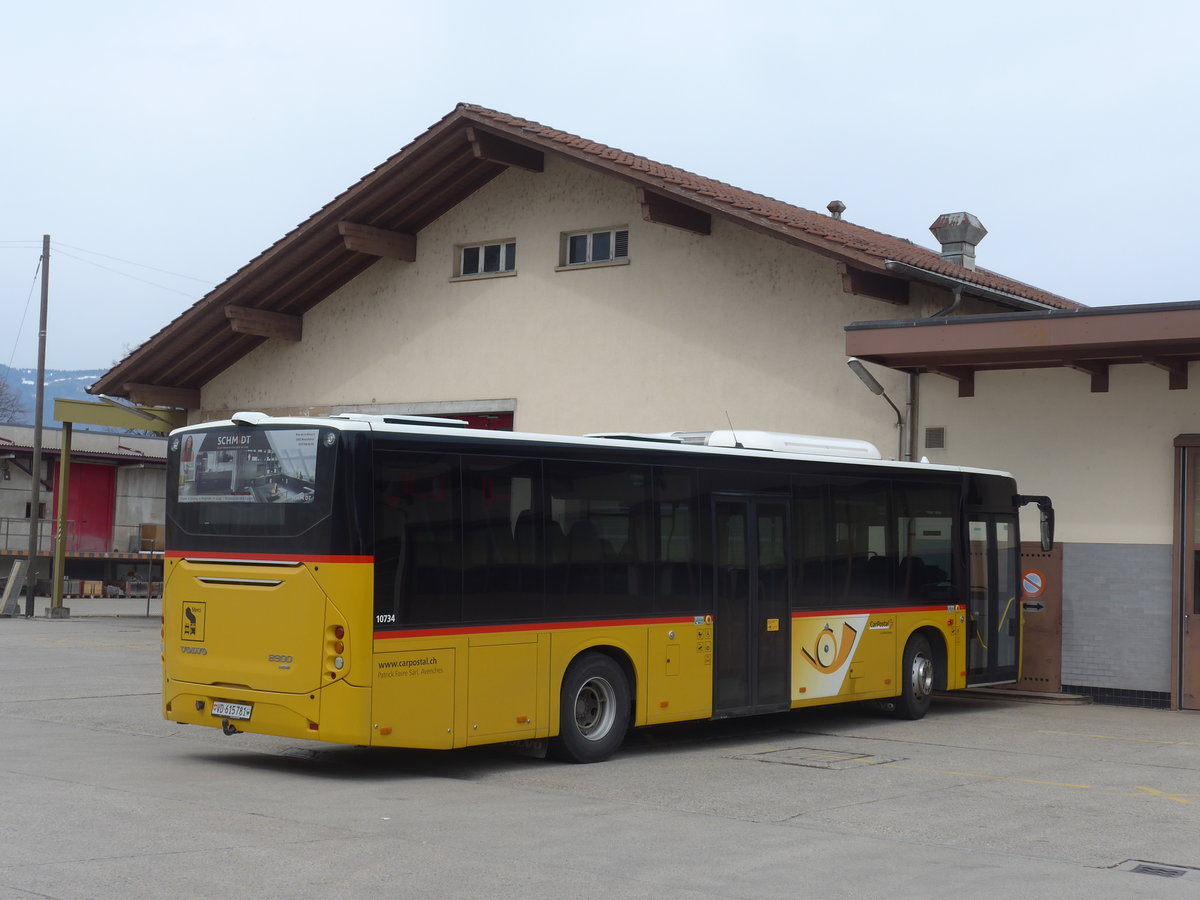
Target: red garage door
x=90 y=501
x=496 y=421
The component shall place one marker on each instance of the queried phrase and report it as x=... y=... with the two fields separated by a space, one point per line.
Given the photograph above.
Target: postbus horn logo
x=831 y=654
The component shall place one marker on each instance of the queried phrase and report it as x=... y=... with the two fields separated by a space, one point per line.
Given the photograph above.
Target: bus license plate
x=226 y=710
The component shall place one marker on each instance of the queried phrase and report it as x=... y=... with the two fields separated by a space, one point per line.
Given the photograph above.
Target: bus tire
x=593 y=710
x=917 y=677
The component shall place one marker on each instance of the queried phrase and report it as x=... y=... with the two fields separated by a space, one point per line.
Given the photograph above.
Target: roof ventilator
x=958 y=233
x=393 y=419
x=774 y=441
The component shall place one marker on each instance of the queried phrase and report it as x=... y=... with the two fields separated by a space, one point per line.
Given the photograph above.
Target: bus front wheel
x=917 y=677
x=593 y=711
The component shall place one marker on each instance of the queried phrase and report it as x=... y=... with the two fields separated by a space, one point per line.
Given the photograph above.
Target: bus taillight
x=335 y=650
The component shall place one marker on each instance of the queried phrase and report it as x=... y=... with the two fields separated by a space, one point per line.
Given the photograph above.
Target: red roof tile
x=812 y=227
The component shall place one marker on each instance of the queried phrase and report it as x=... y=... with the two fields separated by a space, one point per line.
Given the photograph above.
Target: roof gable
x=381 y=214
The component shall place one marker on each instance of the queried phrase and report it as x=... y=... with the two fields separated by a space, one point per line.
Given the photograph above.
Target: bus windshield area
x=231 y=482
x=248 y=467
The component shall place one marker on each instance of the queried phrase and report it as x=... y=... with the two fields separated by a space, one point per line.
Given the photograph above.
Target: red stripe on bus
x=450 y=631
x=870 y=611
x=269 y=557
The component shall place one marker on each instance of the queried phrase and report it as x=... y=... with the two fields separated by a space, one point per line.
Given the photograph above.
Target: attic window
x=590 y=248
x=499 y=258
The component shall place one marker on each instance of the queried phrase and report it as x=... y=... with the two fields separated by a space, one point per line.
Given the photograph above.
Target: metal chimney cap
x=958 y=228
x=836 y=208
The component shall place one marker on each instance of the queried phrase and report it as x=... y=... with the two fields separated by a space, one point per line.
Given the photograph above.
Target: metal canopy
x=1165 y=335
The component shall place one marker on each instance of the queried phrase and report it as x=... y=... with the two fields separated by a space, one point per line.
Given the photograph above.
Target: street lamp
x=857 y=367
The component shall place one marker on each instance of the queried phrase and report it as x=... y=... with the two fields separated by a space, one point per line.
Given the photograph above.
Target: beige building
x=500 y=269
x=496 y=266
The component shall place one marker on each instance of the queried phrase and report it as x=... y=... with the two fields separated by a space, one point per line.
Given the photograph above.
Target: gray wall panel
x=1117 y=616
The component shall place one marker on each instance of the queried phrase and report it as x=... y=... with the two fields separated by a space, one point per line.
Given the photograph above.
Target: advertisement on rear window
x=273 y=467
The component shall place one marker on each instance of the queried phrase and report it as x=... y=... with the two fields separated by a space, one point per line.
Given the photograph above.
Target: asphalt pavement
x=88 y=607
x=984 y=798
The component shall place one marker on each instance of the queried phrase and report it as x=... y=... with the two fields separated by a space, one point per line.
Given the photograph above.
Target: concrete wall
x=140 y=500
x=14 y=496
x=1117 y=616
x=692 y=329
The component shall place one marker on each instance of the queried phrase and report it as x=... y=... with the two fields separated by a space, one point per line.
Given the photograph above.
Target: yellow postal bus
x=405 y=582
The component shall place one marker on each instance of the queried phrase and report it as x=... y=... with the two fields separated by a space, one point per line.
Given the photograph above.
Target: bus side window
x=502 y=551
x=602 y=510
x=925 y=531
x=418 y=538
x=863 y=556
x=677 y=585
x=811 y=537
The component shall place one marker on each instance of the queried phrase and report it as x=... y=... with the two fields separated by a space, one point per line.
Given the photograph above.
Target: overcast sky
x=187 y=138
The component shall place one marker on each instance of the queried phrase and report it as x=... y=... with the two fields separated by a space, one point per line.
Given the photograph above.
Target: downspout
x=911 y=407
x=953 y=306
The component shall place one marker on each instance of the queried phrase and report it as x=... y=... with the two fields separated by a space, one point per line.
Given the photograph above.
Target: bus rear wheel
x=593 y=710
x=917 y=677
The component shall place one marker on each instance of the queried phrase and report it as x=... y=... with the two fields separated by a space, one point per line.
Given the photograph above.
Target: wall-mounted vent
x=935 y=438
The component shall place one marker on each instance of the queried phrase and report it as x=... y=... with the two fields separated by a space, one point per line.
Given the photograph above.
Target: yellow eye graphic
x=826 y=648
x=829 y=653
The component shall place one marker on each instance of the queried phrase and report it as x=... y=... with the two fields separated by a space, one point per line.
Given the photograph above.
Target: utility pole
x=39 y=401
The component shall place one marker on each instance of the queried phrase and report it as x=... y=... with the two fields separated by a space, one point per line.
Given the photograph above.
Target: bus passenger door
x=753 y=623
x=993 y=607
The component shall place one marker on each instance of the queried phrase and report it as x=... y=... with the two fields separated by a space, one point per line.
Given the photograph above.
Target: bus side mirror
x=1047 y=516
x=1046 y=511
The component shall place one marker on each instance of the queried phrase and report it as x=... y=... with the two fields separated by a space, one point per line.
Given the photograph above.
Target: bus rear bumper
x=338 y=713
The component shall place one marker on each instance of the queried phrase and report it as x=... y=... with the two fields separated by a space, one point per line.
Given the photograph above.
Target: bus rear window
x=248 y=467
x=260 y=481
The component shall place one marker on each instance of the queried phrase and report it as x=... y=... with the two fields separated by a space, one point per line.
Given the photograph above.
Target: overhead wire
x=17 y=338
x=60 y=251
x=132 y=277
x=131 y=262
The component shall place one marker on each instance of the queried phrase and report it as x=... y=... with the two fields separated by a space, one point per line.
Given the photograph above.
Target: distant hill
x=70 y=384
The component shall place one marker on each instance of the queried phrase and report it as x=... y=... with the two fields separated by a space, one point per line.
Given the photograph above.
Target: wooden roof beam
x=161 y=395
x=964 y=376
x=378 y=241
x=664 y=210
x=263 y=323
x=873 y=284
x=493 y=148
x=1177 y=370
x=1097 y=370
